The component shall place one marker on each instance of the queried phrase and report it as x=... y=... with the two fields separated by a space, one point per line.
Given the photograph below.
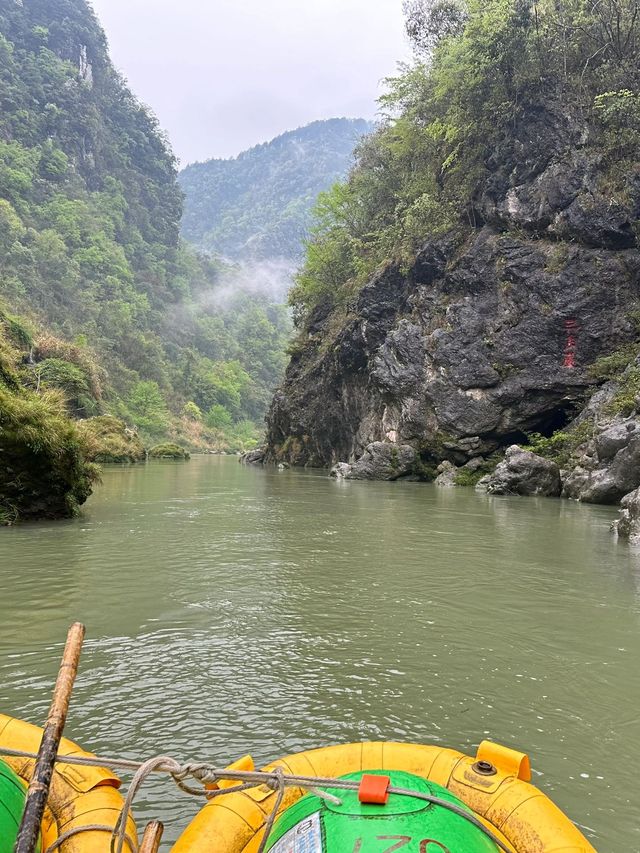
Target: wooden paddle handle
x=152 y=837
x=43 y=770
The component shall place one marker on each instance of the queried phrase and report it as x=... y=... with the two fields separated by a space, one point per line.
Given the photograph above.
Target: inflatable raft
x=355 y=798
x=503 y=810
x=79 y=797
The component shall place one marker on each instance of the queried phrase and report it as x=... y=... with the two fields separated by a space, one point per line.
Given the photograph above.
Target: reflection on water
x=234 y=610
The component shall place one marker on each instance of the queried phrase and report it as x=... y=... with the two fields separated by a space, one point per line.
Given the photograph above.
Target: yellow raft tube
x=495 y=784
x=79 y=796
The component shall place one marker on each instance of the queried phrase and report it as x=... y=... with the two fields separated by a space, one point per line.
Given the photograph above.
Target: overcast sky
x=223 y=75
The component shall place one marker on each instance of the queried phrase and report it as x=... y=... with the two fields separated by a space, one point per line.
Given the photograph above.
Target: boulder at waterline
x=523 y=473
x=447 y=473
x=628 y=525
x=381 y=460
x=253 y=457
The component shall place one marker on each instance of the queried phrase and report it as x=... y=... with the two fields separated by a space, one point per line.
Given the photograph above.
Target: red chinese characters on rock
x=571 y=330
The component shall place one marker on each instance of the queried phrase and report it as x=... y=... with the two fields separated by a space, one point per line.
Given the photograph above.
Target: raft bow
x=494 y=785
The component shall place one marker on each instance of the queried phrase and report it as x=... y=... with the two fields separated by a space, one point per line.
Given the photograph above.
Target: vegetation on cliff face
x=257 y=205
x=481 y=66
x=43 y=472
x=89 y=243
x=476 y=277
x=108 y=439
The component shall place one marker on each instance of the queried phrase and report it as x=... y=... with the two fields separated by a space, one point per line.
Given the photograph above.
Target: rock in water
x=381 y=461
x=253 y=457
x=341 y=470
x=628 y=525
x=607 y=466
x=524 y=473
x=446 y=474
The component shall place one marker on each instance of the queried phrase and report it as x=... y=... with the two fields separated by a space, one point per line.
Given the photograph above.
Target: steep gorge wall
x=490 y=334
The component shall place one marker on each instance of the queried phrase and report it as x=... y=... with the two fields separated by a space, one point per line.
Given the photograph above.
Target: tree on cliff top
x=481 y=65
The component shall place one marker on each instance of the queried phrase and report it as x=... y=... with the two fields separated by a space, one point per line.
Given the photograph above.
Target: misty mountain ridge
x=257 y=206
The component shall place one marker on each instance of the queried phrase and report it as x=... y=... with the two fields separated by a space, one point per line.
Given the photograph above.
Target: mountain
x=124 y=319
x=257 y=205
x=477 y=278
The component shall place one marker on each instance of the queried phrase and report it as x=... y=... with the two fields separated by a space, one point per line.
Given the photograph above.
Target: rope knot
x=276 y=781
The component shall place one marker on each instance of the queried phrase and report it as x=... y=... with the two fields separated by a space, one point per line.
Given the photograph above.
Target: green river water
x=234 y=609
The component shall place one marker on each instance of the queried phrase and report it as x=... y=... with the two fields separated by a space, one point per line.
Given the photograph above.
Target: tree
x=148 y=408
x=428 y=22
x=219 y=418
x=191 y=411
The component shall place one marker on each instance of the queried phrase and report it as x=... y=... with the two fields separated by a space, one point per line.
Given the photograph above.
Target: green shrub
x=218 y=417
x=148 y=408
x=168 y=450
x=72 y=380
x=108 y=439
x=560 y=446
x=623 y=401
x=466 y=477
x=43 y=472
x=192 y=412
x=612 y=365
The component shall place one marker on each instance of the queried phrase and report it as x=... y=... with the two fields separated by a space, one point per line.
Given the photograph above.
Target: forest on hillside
x=107 y=317
x=90 y=212
x=257 y=206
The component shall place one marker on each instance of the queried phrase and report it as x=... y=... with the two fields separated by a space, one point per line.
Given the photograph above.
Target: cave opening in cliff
x=555 y=419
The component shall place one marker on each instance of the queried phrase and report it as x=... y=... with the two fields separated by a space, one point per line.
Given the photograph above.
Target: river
x=234 y=609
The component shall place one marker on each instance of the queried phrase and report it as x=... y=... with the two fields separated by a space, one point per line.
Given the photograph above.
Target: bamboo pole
x=43 y=769
x=152 y=837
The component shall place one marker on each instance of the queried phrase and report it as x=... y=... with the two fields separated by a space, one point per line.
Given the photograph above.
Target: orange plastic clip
x=374 y=789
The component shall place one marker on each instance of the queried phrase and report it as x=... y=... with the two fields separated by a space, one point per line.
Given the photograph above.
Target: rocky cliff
x=493 y=331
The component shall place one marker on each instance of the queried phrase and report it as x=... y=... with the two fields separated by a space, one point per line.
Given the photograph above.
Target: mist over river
x=234 y=609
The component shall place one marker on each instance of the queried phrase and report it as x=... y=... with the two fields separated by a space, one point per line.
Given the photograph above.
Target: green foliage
x=108 y=439
x=611 y=366
x=191 y=411
x=43 y=473
x=482 y=64
x=57 y=373
x=466 y=477
x=257 y=205
x=243 y=436
x=561 y=445
x=627 y=393
x=619 y=116
x=168 y=450
x=218 y=417
x=43 y=469
x=89 y=240
x=428 y=22
x=148 y=408
x=16 y=330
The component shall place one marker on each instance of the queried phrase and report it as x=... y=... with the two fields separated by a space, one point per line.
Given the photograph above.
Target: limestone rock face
x=608 y=467
x=253 y=457
x=628 y=525
x=380 y=461
x=524 y=473
x=341 y=470
x=489 y=335
x=446 y=474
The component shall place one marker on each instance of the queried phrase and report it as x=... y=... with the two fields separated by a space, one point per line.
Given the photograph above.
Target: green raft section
x=405 y=824
x=13 y=792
